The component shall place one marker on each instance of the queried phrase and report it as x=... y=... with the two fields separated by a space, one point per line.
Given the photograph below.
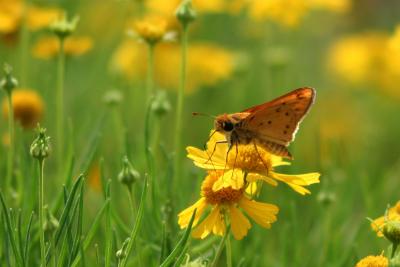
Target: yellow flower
x=368 y=59
x=358 y=58
x=225 y=206
x=12 y=16
x=256 y=164
x=151 y=29
x=27 y=106
x=285 y=12
x=219 y=65
x=207 y=6
x=373 y=261
x=338 y=6
x=39 y=18
x=94 y=178
x=48 y=47
x=392 y=215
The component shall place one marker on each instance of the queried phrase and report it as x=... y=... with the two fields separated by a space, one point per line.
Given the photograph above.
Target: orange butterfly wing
x=278 y=120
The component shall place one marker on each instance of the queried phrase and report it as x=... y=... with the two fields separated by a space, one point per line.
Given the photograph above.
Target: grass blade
x=137 y=224
x=181 y=244
x=27 y=238
x=10 y=230
x=108 y=227
x=89 y=237
x=65 y=214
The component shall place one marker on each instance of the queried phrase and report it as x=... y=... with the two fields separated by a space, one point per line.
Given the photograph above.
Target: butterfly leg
x=215 y=147
x=259 y=155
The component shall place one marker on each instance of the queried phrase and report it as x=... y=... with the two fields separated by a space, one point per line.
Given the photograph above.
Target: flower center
x=225 y=195
x=250 y=159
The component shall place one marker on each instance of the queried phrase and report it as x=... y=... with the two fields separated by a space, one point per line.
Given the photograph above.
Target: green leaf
x=181 y=244
x=92 y=231
x=10 y=230
x=136 y=227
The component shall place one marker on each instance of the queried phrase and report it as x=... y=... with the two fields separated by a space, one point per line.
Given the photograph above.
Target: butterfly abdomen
x=276 y=149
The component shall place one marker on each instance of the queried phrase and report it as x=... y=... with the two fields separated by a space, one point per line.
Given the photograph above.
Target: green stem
x=60 y=104
x=221 y=247
x=132 y=204
x=394 y=248
x=180 y=103
x=24 y=48
x=41 y=213
x=228 y=251
x=150 y=71
x=11 y=122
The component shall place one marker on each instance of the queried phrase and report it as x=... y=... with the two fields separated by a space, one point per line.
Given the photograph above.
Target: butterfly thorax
x=231 y=125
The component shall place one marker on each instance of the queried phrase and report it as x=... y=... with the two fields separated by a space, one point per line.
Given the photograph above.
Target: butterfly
x=271 y=125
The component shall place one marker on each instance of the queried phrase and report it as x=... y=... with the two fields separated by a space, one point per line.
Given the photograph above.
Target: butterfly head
x=224 y=124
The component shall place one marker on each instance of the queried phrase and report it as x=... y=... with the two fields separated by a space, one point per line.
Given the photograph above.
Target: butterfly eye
x=227 y=126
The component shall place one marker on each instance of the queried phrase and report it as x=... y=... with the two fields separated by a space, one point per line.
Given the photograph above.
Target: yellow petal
x=204 y=160
x=253 y=177
x=278 y=161
x=231 y=178
x=212 y=223
x=297 y=181
x=239 y=223
x=185 y=215
x=252 y=188
x=263 y=214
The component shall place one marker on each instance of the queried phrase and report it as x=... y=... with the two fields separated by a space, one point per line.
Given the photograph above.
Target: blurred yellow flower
x=207 y=6
x=257 y=165
x=358 y=58
x=285 y=12
x=338 y=6
x=27 y=105
x=225 y=205
x=48 y=47
x=373 y=261
x=38 y=18
x=392 y=215
x=152 y=29
x=219 y=65
x=368 y=59
x=94 y=178
x=12 y=16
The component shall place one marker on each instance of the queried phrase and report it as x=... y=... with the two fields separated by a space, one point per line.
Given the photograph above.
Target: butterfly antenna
x=203 y=114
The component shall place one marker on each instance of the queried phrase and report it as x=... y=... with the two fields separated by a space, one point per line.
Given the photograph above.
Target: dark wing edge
x=277 y=101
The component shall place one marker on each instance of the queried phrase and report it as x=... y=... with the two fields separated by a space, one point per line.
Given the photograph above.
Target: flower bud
x=326 y=198
x=160 y=105
x=40 y=148
x=128 y=174
x=185 y=12
x=63 y=28
x=121 y=253
x=391 y=230
x=8 y=83
x=112 y=97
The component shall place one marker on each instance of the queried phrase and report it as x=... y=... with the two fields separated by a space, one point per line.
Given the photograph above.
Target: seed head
x=40 y=148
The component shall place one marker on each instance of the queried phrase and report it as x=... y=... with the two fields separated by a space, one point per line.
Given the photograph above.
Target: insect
x=272 y=125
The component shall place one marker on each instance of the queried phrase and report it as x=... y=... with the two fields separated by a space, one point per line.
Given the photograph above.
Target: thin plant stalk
x=150 y=70
x=220 y=247
x=60 y=103
x=41 y=213
x=24 y=46
x=228 y=251
x=132 y=203
x=180 y=104
x=11 y=125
